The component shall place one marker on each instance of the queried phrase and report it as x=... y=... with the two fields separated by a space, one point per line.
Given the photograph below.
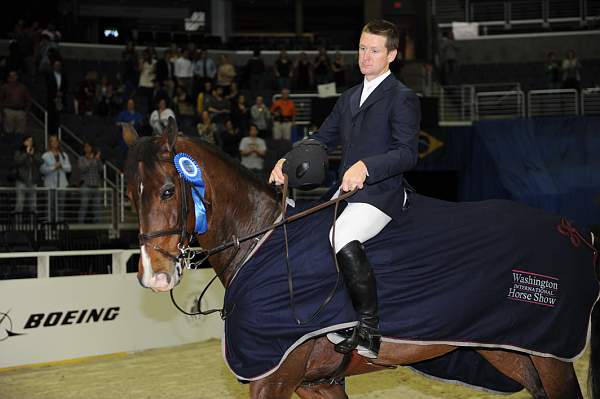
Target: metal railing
x=557 y=102
x=457 y=104
x=590 y=101
x=500 y=104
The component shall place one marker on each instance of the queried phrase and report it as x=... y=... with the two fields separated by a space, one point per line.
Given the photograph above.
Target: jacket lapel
x=378 y=93
x=355 y=100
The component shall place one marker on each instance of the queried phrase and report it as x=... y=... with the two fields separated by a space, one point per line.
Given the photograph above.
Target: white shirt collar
x=372 y=84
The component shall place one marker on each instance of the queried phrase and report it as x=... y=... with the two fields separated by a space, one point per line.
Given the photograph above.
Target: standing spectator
x=261 y=116
x=552 y=71
x=207 y=129
x=255 y=71
x=54 y=168
x=218 y=106
x=205 y=69
x=129 y=68
x=225 y=74
x=240 y=114
x=160 y=117
x=448 y=59
x=283 y=70
x=56 y=87
x=85 y=100
x=252 y=151
x=339 y=72
x=303 y=72
x=147 y=68
x=27 y=166
x=164 y=68
x=15 y=101
x=571 y=71
x=204 y=97
x=322 y=67
x=184 y=71
x=46 y=54
x=230 y=139
x=284 y=116
x=90 y=166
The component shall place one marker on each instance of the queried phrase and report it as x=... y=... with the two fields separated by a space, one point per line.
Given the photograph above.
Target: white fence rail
x=559 y=102
x=457 y=104
x=590 y=101
x=500 y=105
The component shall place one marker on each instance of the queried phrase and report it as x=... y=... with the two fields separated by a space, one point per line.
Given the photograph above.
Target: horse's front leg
x=282 y=383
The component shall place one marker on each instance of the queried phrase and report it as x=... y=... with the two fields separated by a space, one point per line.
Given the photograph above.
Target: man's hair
x=384 y=28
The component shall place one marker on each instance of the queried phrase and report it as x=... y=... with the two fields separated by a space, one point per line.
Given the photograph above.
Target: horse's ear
x=130 y=135
x=170 y=133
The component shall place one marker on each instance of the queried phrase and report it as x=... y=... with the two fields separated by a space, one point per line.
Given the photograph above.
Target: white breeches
x=359 y=221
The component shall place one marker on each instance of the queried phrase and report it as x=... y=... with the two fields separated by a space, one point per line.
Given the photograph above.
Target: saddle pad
x=490 y=273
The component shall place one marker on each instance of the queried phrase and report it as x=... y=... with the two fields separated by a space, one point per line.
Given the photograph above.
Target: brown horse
x=238 y=204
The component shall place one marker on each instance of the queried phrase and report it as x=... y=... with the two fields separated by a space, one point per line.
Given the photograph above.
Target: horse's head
x=162 y=202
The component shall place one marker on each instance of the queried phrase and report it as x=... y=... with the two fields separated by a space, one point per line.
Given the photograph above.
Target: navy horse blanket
x=489 y=274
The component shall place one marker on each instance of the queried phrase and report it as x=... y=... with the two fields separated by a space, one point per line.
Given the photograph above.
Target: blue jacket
x=383 y=133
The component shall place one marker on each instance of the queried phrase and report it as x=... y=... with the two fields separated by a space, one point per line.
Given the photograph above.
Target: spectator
x=230 y=139
x=27 y=168
x=130 y=115
x=54 y=168
x=322 y=67
x=85 y=100
x=56 y=87
x=15 y=101
x=90 y=166
x=225 y=74
x=339 y=72
x=261 y=116
x=552 y=71
x=252 y=151
x=204 y=97
x=45 y=53
x=283 y=70
x=53 y=33
x=160 y=117
x=184 y=71
x=240 y=115
x=147 y=68
x=107 y=104
x=303 y=72
x=207 y=129
x=218 y=106
x=160 y=92
x=571 y=71
x=448 y=59
x=255 y=71
x=233 y=94
x=185 y=110
x=129 y=68
x=164 y=69
x=284 y=116
x=205 y=69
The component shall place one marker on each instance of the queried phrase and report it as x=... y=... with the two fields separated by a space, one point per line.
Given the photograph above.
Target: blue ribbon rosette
x=188 y=168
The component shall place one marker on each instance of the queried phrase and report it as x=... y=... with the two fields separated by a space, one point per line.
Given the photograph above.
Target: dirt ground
x=198 y=371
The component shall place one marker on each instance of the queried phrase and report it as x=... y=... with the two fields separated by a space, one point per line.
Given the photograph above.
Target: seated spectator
x=255 y=71
x=107 y=102
x=204 y=97
x=303 y=71
x=160 y=117
x=27 y=163
x=207 y=129
x=284 y=116
x=225 y=74
x=283 y=70
x=184 y=109
x=240 y=114
x=130 y=115
x=160 y=93
x=261 y=116
x=218 y=106
x=571 y=68
x=230 y=139
x=15 y=101
x=233 y=94
x=252 y=151
x=90 y=166
x=54 y=169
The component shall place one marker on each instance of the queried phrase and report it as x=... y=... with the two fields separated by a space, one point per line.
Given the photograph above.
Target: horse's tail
x=594 y=367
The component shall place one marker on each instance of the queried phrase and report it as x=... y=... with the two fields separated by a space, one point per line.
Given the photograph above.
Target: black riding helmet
x=306 y=164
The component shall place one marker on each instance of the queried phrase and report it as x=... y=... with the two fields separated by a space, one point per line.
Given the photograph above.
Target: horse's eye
x=167 y=193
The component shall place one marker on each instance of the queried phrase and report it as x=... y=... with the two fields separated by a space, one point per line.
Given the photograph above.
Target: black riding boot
x=360 y=281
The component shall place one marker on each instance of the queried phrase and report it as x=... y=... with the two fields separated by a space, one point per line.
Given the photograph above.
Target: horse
x=238 y=204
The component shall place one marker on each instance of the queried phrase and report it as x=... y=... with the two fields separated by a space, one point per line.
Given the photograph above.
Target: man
x=377 y=124
x=284 y=115
x=252 y=151
x=56 y=87
x=15 y=101
x=90 y=166
x=205 y=69
x=261 y=116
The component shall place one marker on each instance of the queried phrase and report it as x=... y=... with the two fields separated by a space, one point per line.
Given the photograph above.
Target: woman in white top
x=160 y=117
x=147 y=67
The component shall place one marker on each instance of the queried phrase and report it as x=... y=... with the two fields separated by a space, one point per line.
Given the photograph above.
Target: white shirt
x=159 y=120
x=58 y=78
x=183 y=68
x=370 y=85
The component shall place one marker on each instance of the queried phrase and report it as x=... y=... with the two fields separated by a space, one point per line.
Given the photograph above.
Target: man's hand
x=277 y=173
x=355 y=176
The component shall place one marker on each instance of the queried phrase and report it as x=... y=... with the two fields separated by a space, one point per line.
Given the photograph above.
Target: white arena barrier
x=49 y=319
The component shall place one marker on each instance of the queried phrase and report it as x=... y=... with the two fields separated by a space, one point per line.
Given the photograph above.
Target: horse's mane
x=146 y=150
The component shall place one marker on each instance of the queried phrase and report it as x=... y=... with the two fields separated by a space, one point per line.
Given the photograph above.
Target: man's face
x=373 y=56
x=12 y=76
